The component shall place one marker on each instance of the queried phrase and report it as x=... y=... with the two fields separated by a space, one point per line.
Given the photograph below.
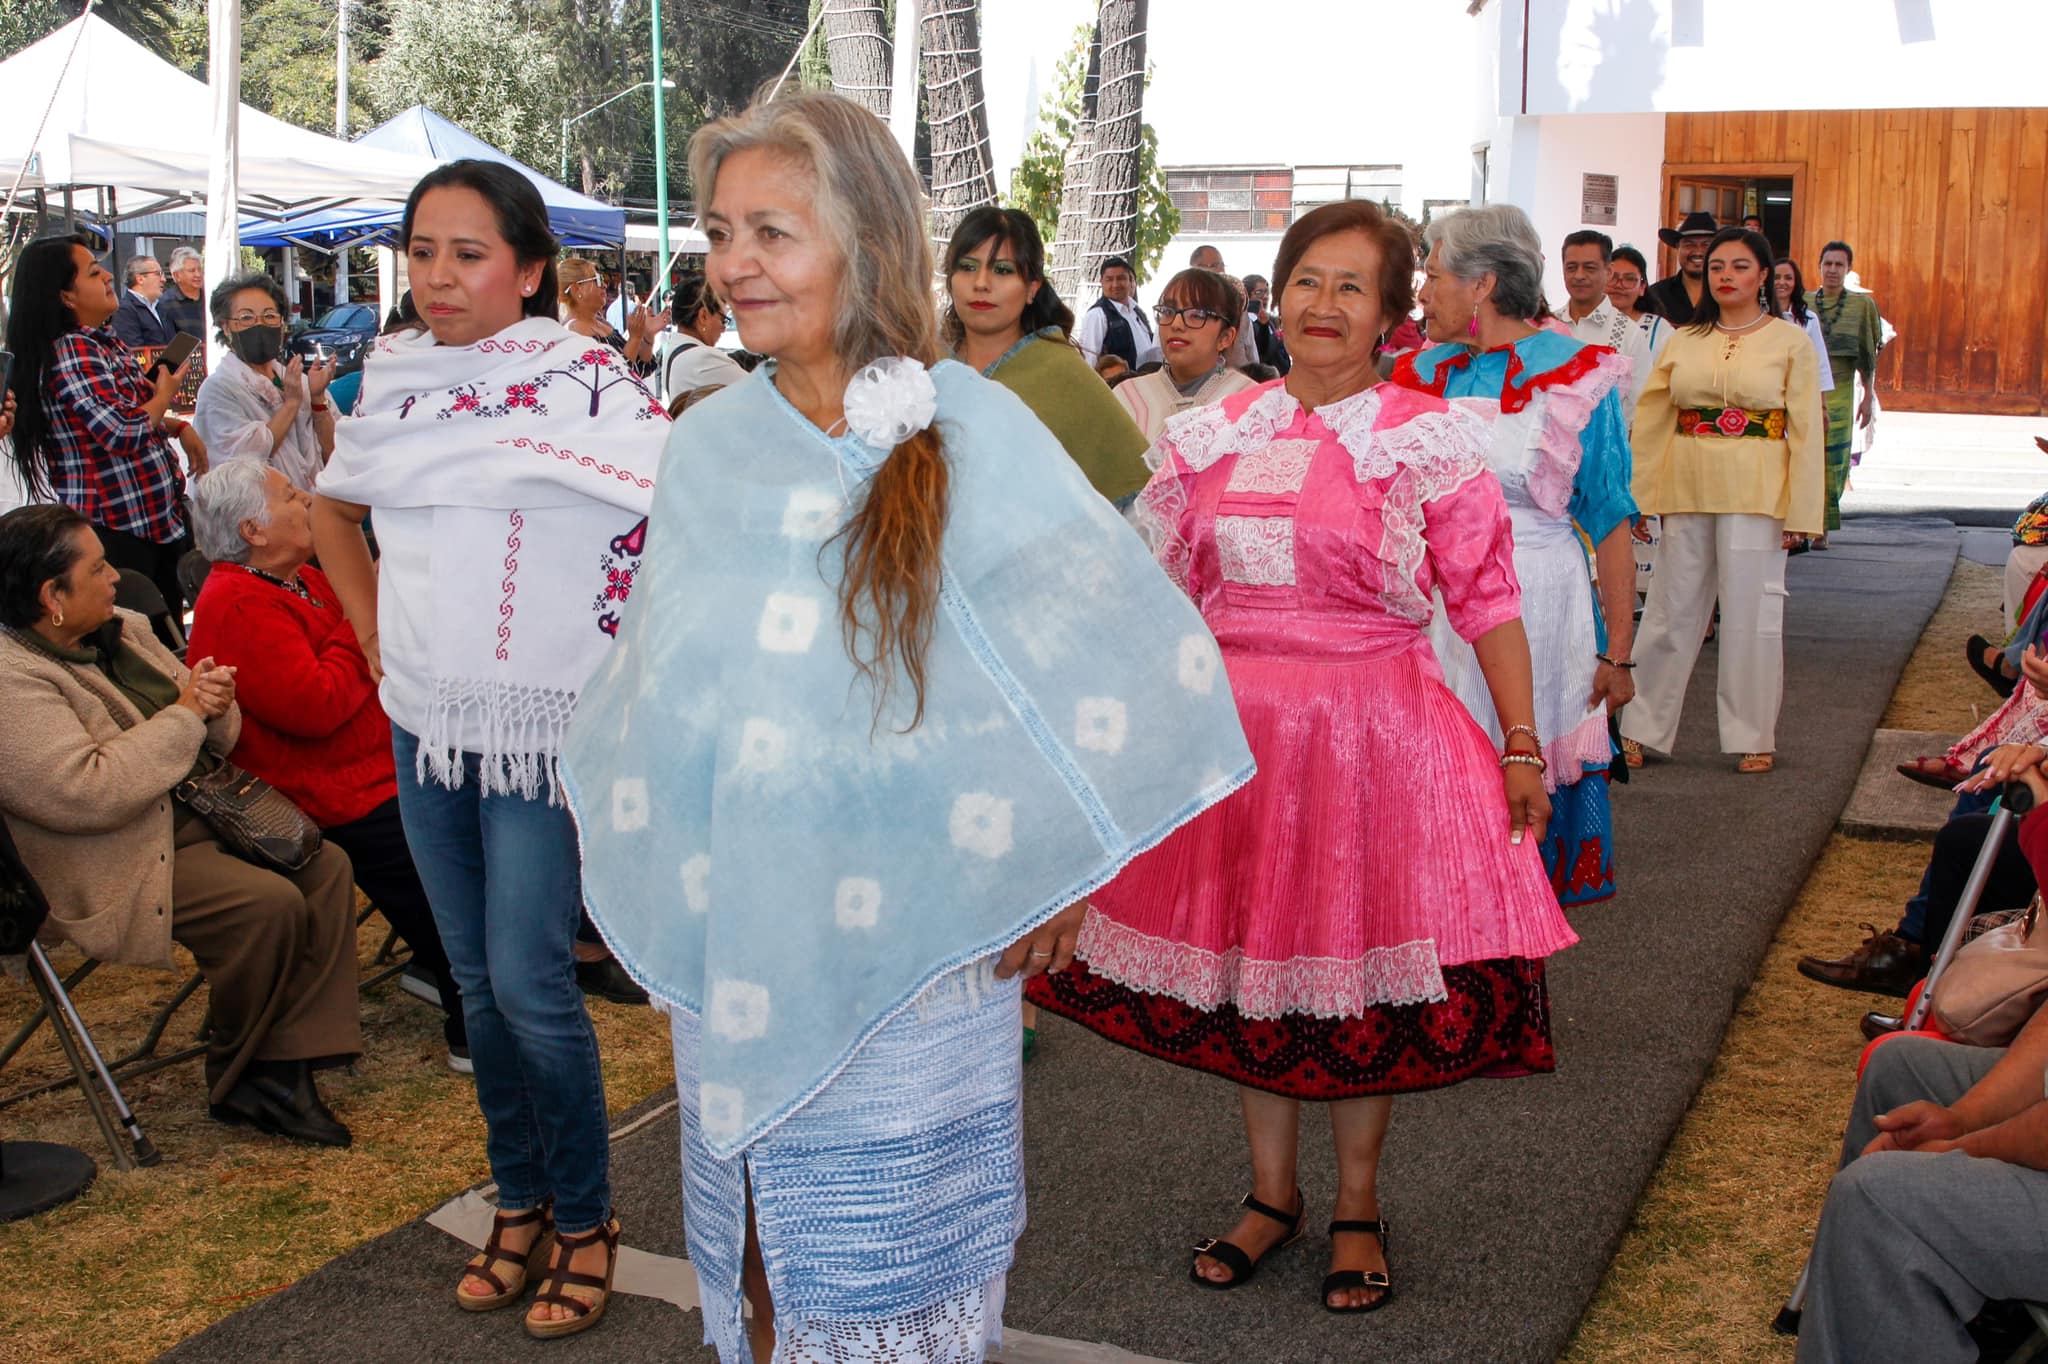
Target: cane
x=2015 y=800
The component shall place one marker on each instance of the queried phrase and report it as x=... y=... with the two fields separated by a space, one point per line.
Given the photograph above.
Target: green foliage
x=1036 y=186
x=484 y=64
x=26 y=22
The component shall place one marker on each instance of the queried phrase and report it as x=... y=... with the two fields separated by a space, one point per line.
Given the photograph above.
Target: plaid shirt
x=110 y=463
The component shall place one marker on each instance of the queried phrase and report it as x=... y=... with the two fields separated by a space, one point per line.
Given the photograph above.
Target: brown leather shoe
x=1876 y=1025
x=1886 y=964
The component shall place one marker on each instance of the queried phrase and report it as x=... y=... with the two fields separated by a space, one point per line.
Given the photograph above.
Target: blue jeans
x=504 y=877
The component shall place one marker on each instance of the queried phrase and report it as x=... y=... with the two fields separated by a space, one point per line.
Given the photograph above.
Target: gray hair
x=183 y=254
x=135 y=263
x=231 y=492
x=1498 y=240
x=224 y=295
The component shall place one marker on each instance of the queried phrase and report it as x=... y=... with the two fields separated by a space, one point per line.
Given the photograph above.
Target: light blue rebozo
x=761 y=850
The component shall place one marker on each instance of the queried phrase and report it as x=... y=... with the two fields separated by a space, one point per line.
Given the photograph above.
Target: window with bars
x=1315 y=186
x=1219 y=199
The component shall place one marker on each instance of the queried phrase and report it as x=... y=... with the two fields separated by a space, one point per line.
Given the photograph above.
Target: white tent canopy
x=124 y=118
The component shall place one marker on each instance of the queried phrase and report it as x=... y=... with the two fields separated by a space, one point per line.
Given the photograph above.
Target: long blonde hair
x=868 y=201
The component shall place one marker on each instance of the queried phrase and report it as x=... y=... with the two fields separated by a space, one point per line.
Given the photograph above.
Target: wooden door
x=1721 y=195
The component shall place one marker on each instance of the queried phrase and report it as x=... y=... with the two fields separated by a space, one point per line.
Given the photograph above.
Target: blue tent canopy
x=579 y=220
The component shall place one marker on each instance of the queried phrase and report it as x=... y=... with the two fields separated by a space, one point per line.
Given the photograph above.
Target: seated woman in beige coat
x=100 y=722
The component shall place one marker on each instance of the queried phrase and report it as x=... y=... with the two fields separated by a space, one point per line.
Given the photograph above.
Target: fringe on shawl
x=522 y=730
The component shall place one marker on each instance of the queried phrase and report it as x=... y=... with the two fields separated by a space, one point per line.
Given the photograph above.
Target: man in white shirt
x=1115 y=325
x=1592 y=317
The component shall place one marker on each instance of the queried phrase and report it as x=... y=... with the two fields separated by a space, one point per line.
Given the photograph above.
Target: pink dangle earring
x=1472 y=328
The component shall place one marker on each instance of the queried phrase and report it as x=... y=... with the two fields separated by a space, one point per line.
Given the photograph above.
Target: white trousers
x=1740 y=558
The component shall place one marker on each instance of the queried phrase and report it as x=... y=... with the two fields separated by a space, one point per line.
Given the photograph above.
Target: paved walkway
x=1507 y=1198
x=1973 y=470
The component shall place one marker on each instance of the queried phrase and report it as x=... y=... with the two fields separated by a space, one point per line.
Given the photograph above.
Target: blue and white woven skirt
x=888 y=1206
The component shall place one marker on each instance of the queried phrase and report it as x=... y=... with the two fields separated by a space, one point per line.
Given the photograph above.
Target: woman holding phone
x=91 y=430
x=259 y=404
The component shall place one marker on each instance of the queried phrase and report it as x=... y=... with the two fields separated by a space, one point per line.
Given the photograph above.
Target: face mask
x=257 y=346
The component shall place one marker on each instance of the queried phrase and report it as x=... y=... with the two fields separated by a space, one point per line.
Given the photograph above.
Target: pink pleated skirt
x=1369 y=854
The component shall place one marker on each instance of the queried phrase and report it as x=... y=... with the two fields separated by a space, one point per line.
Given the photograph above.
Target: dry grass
x=148 y=1258
x=1722 y=1230
x=1937 y=693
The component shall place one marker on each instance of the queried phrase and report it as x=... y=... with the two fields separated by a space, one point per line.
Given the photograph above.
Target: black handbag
x=255 y=821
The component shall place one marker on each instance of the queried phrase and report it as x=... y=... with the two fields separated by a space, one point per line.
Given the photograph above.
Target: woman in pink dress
x=1369 y=915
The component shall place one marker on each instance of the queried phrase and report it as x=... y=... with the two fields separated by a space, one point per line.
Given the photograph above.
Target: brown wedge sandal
x=559 y=1277
x=1752 y=764
x=483 y=1264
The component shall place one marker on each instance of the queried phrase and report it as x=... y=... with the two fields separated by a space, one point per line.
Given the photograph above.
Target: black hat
x=1696 y=224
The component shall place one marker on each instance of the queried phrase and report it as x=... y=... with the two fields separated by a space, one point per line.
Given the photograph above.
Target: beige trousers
x=1741 y=559
x=278 y=951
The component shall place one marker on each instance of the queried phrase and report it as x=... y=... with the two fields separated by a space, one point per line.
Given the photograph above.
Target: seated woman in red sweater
x=311 y=722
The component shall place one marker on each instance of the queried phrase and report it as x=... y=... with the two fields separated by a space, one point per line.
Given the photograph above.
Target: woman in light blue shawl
x=894 y=692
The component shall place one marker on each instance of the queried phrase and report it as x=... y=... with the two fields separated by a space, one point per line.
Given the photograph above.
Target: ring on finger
x=1037 y=953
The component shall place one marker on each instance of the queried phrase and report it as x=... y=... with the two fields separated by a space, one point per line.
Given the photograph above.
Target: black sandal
x=1341 y=1279
x=1978 y=646
x=1242 y=1266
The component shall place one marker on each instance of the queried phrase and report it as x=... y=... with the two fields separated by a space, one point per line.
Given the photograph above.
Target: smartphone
x=178 y=351
x=6 y=374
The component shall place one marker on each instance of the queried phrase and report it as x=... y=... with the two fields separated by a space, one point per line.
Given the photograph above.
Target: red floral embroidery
x=597 y=356
x=618 y=584
x=522 y=395
x=467 y=401
x=1688 y=421
x=1733 y=421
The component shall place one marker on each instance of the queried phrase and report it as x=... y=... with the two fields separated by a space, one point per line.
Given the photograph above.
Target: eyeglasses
x=1193 y=317
x=270 y=319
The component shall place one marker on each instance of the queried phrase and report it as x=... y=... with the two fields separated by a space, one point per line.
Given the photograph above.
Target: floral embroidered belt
x=1757 y=423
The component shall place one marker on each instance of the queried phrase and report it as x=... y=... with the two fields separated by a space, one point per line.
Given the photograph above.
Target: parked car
x=345 y=331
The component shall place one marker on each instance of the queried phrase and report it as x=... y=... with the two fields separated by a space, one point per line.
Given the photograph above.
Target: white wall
x=1538 y=163
x=1635 y=56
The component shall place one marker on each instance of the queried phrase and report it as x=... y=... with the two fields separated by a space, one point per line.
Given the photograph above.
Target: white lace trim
x=1444 y=451
x=1278 y=467
x=961 y=1329
x=1327 y=987
x=1256 y=550
x=1157 y=515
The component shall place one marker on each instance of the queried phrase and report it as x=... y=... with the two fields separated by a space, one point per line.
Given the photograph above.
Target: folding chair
x=135 y=592
x=2016 y=800
x=87 y=1067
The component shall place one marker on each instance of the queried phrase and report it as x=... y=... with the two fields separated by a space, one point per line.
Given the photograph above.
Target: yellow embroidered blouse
x=1770 y=368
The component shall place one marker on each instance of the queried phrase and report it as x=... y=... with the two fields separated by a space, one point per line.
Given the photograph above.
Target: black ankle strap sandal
x=1232 y=1257
x=1343 y=1279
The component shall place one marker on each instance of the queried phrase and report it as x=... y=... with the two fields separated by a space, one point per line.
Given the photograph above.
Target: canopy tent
x=578 y=219
x=123 y=118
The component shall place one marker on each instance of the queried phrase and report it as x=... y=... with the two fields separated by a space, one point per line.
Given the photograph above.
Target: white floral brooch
x=890 y=400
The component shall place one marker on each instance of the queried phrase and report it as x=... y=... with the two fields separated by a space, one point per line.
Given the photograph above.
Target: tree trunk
x=1113 y=178
x=1070 y=239
x=963 y=172
x=858 y=50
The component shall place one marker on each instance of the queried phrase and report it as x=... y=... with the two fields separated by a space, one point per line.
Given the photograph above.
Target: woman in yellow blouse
x=1729 y=452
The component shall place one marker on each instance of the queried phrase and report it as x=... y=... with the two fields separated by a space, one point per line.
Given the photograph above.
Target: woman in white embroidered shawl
x=256 y=404
x=510 y=464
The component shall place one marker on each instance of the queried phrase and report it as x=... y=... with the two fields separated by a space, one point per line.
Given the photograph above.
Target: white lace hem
x=1327 y=987
x=960 y=1329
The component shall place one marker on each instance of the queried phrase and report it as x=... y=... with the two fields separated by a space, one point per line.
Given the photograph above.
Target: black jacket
x=1667 y=298
x=137 y=325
